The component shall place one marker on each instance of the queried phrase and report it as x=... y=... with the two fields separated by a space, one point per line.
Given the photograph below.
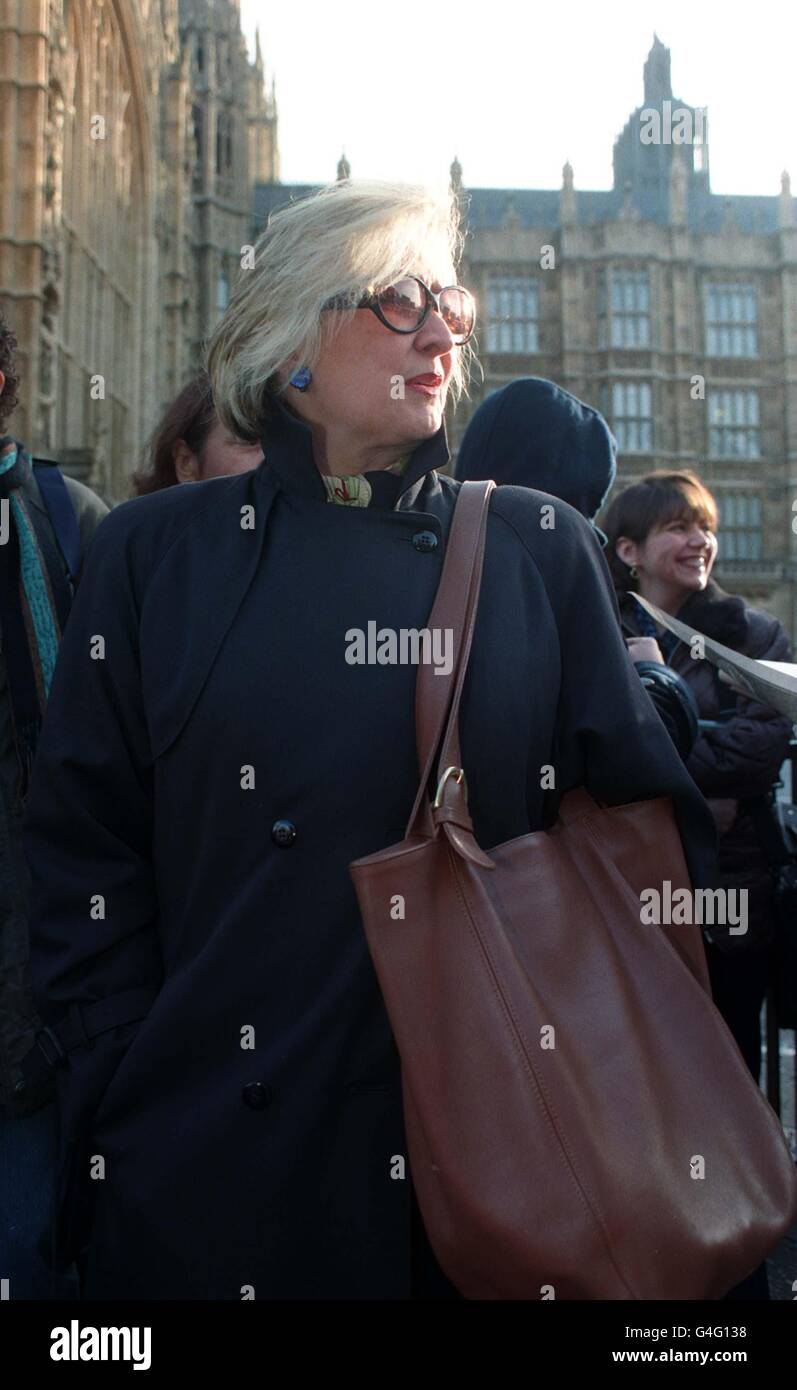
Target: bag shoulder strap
x=437 y=697
x=62 y=514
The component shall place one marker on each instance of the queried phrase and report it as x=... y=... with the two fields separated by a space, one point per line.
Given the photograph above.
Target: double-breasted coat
x=210 y=765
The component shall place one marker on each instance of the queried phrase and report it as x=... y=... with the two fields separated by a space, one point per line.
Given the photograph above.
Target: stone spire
x=344 y=168
x=658 y=85
x=567 y=196
x=729 y=222
x=455 y=173
x=785 y=201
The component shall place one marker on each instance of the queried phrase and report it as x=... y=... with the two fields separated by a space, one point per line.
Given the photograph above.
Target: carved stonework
x=61 y=70
x=628 y=211
x=679 y=185
x=110 y=257
x=511 y=218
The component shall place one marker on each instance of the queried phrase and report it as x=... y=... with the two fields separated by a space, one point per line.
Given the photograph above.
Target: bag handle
x=437 y=697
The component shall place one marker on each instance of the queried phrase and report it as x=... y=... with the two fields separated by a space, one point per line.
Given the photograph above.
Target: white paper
x=772 y=682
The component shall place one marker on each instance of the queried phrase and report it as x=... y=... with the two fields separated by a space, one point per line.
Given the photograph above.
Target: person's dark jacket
x=535 y=434
x=741 y=758
x=211 y=776
x=18 y=1017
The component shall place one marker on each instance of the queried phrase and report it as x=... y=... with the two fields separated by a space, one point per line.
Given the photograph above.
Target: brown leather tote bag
x=579 y=1120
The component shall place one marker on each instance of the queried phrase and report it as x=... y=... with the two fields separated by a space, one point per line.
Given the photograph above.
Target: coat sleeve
x=609 y=736
x=93 y=923
x=674 y=703
x=90 y=510
x=743 y=757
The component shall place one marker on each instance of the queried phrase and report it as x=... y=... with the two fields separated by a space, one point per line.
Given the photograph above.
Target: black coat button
x=257 y=1095
x=424 y=540
x=283 y=833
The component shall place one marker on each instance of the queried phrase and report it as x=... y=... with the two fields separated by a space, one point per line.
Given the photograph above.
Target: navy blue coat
x=271 y=1167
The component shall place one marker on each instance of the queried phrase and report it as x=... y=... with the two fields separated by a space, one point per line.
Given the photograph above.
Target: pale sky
x=515 y=88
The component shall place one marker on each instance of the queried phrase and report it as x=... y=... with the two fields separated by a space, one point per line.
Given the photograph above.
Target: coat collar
x=287 y=444
x=720 y=615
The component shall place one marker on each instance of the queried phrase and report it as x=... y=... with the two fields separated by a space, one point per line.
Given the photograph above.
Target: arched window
x=196 y=118
x=224 y=143
x=223 y=288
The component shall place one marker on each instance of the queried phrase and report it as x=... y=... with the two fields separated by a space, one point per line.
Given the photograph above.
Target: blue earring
x=301 y=379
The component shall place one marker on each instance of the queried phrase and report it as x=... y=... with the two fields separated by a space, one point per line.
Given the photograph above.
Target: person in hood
x=534 y=434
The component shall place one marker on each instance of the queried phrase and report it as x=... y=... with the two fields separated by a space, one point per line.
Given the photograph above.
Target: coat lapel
x=202 y=579
x=208 y=569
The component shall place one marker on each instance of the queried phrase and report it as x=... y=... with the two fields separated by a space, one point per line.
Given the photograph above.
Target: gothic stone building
x=132 y=133
x=671 y=308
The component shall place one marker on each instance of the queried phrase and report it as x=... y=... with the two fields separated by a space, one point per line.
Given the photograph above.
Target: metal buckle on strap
x=58 y=1057
x=458 y=773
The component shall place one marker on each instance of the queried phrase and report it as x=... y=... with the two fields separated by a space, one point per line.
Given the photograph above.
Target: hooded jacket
x=535 y=434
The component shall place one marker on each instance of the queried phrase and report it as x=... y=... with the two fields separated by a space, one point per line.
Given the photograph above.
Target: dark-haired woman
x=191 y=444
x=662 y=543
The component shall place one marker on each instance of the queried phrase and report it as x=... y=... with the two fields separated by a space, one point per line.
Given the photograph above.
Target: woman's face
x=678 y=555
x=221 y=454
x=365 y=383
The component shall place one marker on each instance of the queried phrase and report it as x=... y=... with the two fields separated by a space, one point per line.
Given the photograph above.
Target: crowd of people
x=199 y=1086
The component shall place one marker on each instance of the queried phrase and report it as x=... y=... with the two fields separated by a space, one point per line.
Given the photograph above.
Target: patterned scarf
x=647 y=628
x=34 y=602
x=355 y=490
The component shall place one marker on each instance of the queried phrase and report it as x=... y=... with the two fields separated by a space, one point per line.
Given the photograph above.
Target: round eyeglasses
x=404 y=306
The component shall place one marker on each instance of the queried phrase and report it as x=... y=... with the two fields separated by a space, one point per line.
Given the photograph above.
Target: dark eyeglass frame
x=371 y=301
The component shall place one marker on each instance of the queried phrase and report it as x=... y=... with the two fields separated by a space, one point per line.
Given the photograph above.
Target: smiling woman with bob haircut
x=663 y=544
x=212 y=763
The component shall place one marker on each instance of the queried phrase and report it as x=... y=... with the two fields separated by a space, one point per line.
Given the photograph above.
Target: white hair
x=341 y=241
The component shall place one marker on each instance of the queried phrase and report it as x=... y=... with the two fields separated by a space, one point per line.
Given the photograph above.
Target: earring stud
x=301 y=379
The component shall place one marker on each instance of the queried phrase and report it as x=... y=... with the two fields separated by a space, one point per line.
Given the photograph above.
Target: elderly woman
x=212 y=763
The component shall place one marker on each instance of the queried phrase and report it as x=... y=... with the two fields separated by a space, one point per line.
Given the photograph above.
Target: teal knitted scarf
x=29 y=611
